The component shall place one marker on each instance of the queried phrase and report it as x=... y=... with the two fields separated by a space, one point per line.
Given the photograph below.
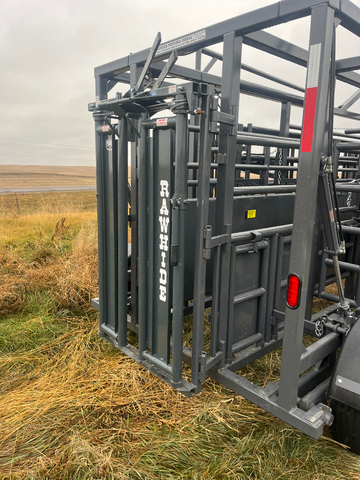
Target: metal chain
x=280 y=163
x=348 y=200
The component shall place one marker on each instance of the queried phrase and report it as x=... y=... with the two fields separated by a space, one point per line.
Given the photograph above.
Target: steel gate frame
x=297 y=398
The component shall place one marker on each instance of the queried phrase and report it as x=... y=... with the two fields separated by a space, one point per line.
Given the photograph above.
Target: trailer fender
x=345 y=382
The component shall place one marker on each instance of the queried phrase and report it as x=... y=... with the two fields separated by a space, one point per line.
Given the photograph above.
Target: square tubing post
x=143 y=237
x=202 y=222
x=122 y=266
x=101 y=94
x=135 y=72
x=311 y=149
x=178 y=240
x=225 y=183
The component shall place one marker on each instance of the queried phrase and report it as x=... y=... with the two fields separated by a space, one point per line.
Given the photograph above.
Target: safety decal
x=182 y=42
x=161 y=122
x=251 y=213
x=172 y=89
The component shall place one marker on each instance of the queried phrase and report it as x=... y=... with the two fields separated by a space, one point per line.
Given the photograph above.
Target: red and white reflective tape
x=311 y=97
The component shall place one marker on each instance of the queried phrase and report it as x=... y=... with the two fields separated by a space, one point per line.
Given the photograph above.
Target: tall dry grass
x=73 y=407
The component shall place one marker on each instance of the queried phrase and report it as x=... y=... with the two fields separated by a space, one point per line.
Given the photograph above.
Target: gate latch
x=211 y=242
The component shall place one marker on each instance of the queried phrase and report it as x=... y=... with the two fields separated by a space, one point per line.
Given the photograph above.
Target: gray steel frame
x=208 y=176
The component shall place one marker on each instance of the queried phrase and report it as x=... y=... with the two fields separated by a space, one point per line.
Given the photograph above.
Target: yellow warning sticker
x=251 y=213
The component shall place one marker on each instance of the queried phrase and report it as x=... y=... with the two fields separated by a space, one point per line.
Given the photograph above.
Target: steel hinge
x=211 y=242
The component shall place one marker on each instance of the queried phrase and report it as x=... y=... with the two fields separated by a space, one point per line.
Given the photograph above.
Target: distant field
x=40 y=203
x=30 y=176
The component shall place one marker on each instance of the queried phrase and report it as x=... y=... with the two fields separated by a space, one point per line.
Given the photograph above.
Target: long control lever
x=333 y=234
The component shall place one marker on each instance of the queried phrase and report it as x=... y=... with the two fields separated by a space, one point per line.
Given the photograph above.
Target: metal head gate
x=228 y=218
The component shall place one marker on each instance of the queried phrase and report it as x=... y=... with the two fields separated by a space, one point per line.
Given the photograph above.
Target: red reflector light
x=293 y=294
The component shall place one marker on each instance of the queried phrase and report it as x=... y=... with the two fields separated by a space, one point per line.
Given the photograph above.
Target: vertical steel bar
x=180 y=195
x=311 y=149
x=264 y=283
x=273 y=246
x=202 y=222
x=101 y=94
x=150 y=229
x=135 y=72
x=122 y=264
x=230 y=331
x=265 y=173
x=143 y=237
x=322 y=275
x=277 y=288
x=215 y=302
x=225 y=185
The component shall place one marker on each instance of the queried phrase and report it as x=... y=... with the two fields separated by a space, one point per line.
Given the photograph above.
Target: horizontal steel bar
x=109 y=331
x=247 y=248
x=352 y=130
x=242 y=344
x=244 y=297
x=257 y=235
x=259 y=190
x=351 y=267
x=266 y=140
x=157 y=362
x=255 y=71
x=319 y=350
x=335 y=298
x=347 y=170
x=347 y=64
x=348 y=147
x=311 y=422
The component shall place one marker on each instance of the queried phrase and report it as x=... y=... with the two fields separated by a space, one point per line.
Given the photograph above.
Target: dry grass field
x=32 y=176
x=73 y=407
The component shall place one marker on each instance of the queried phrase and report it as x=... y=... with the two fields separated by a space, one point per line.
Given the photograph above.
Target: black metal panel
x=162 y=284
x=271 y=210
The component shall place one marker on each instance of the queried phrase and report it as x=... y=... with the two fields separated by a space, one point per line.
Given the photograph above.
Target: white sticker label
x=106 y=128
x=172 y=89
x=161 y=122
x=182 y=42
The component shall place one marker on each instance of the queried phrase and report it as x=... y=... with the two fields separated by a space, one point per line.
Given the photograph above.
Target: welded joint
x=212 y=242
x=257 y=236
x=222 y=118
x=206 y=364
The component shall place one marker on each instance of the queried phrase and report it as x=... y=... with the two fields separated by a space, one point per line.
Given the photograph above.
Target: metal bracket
x=221 y=117
x=211 y=242
x=327 y=164
x=127 y=116
x=179 y=202
x=257 y=236
x=207 y=242
x=221 y=158
x=206 y=364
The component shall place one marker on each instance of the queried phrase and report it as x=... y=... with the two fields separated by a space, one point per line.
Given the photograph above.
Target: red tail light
x=293 y=294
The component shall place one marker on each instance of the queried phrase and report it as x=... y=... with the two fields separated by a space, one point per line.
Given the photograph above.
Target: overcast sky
x=48 y=51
